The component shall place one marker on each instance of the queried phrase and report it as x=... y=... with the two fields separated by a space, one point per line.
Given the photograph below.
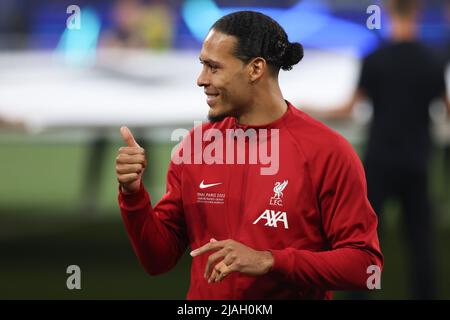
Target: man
x=296 y=233
x=402 y=78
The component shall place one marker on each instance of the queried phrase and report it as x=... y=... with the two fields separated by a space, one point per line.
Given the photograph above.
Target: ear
x=256 y=68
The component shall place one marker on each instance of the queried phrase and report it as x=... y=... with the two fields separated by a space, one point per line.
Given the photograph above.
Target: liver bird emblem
x=278 y=189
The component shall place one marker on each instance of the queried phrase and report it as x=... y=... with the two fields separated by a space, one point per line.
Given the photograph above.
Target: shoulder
x=314 y=134
x=378 y=53
x=319 y=143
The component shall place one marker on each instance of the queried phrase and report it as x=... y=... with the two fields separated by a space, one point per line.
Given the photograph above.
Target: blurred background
x=67 y=85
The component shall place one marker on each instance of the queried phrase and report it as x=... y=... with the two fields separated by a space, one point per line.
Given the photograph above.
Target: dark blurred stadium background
x=63 y=96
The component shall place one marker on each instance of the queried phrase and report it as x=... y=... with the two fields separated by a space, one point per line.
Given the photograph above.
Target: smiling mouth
x=210 y=98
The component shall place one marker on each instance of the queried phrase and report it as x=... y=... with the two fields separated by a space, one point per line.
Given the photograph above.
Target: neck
x=404 y=29
x=268 y=107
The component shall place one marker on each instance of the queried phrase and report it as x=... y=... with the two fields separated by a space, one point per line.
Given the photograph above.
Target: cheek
x=239 y=90
x=233 y=89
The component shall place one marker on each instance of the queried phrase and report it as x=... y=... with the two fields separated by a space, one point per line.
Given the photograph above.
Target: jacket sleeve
x=158 y=235
x=349 y=225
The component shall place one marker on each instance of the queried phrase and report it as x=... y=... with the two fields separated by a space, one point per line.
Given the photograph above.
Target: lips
x=211 y=97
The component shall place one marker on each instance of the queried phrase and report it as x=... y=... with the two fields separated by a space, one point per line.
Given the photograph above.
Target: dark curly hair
x=260 y=36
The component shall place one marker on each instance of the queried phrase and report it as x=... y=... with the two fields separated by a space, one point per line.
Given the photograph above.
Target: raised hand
x=130 y=163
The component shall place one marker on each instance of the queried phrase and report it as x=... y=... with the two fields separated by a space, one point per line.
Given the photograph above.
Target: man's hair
x=403 y=8
x=260 y=36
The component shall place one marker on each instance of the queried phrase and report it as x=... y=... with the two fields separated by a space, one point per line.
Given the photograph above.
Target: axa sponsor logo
x=272 y=218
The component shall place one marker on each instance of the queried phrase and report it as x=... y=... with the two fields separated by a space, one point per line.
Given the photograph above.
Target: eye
x=210 y=66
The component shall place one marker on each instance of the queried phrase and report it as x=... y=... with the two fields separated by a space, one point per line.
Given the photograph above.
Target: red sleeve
x=158 y=235
x=349 y=225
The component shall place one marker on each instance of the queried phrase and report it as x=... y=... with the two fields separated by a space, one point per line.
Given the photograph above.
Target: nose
x=202 y=80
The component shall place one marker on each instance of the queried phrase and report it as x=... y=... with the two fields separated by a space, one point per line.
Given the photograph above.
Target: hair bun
x=292 y=55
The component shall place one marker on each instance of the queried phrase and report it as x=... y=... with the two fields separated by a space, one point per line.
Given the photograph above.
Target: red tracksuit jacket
x=322 y=230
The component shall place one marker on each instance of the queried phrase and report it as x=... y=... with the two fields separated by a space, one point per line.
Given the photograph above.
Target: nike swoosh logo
x=204 y=186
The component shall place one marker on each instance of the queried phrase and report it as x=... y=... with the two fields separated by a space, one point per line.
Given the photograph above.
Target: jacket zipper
x=242 y=213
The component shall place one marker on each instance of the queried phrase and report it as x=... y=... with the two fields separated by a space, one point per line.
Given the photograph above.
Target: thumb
x=128 y=137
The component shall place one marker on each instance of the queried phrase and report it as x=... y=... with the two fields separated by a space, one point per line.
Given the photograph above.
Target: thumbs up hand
x=130 y=163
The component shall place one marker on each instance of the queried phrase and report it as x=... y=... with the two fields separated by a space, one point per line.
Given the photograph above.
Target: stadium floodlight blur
x=310 y=22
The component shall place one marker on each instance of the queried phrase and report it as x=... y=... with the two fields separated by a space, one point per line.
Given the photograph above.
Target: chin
x=216 y=116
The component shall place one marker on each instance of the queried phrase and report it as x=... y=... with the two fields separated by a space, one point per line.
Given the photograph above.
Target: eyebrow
x=209 y=61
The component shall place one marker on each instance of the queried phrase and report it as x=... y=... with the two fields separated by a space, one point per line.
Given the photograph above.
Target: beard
x=217 y=117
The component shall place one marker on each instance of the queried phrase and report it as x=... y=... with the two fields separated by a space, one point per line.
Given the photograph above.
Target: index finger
x=215 y=245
